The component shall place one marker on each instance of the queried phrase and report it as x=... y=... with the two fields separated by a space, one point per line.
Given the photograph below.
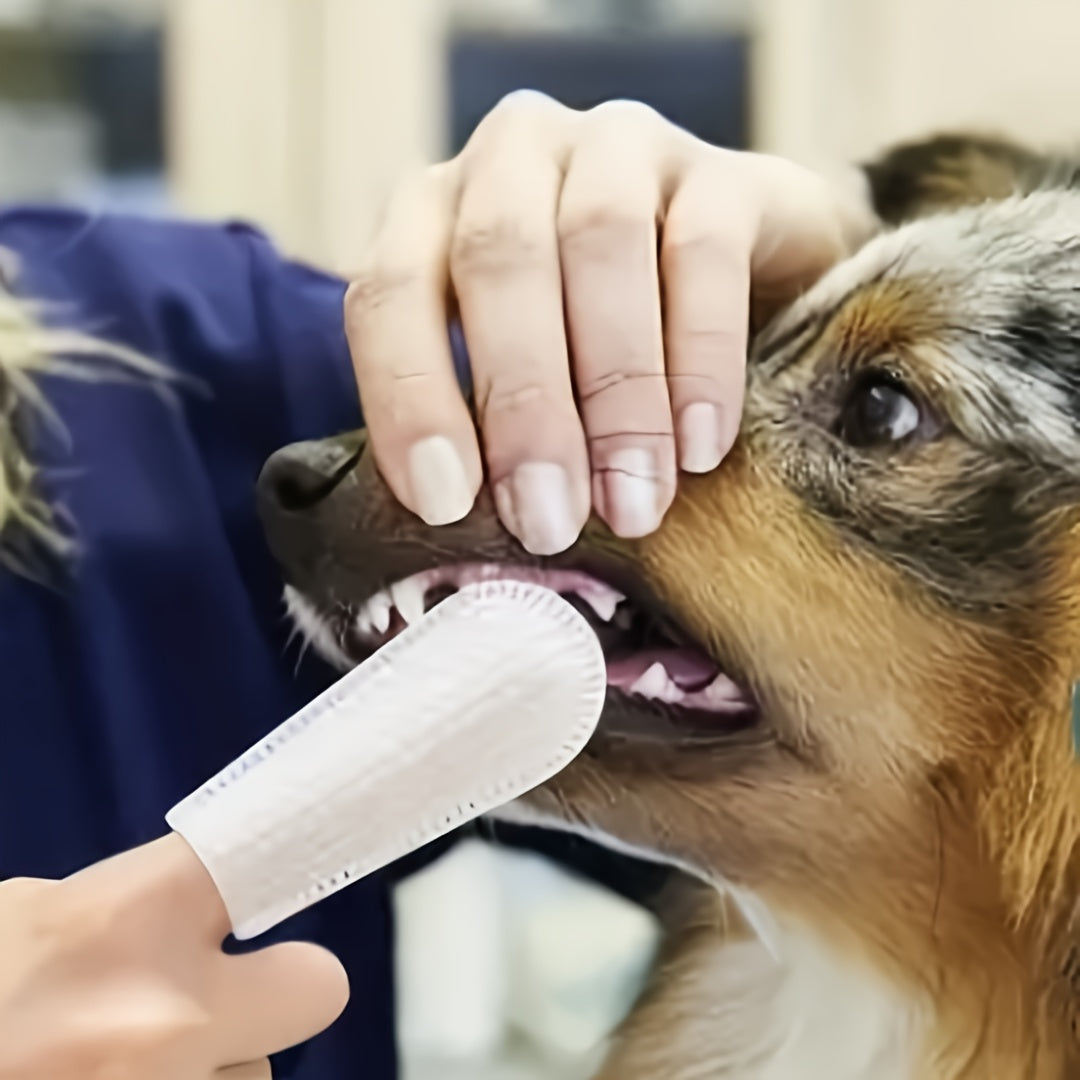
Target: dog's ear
x=949 y=171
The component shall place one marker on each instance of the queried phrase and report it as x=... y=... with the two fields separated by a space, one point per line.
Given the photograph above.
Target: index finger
x=396 y=322
x=165 y=882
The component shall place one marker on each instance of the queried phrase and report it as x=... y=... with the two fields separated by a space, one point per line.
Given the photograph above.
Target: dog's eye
x=879 y=411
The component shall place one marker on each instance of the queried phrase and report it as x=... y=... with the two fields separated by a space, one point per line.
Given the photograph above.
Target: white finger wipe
x=493 y=692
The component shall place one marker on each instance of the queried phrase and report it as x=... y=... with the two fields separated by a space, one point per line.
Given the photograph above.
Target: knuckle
x=526 y=101
x=635 y=115
x=694 y=223
x=709 y=343
x=518 y=107
x=683 y=236
x=500 y=244
x=131 y=1048
x=726 y=251
x=606 y=382
x=502 y=399
x=596 y=229
x=524 y=119
x=99 y=1043
x=375 y=285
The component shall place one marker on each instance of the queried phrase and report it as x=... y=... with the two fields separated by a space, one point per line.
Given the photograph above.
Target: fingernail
x=536 y=504
x=440 y=486
x=701 y=437
x=633 y=495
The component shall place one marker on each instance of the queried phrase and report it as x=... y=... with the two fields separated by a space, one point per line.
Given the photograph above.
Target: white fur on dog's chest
x=802 y=1014
x=791 y=1009
x=838 y=1024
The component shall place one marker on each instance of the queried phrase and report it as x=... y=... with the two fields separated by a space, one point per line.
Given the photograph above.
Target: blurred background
x=297 y=114
x=515 y=960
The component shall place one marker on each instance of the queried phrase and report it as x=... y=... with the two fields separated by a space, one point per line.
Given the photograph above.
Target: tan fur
x=928 y=906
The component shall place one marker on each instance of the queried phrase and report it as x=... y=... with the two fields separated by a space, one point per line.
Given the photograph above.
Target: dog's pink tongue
x=688 y=670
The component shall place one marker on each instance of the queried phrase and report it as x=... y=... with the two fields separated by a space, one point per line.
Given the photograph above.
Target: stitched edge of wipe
x=515 y=598
x=512 y=600
x=500 y=791
x=470 y=598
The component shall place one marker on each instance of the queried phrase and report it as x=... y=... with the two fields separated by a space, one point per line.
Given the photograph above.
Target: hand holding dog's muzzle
x=606 y=267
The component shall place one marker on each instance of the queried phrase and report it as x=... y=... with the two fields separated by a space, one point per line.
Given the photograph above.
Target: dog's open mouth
x=648 y=658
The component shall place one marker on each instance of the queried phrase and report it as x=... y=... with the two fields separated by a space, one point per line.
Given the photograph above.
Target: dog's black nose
x=299 y=476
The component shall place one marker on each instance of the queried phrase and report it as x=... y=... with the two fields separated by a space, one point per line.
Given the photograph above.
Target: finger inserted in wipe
x=493 y=692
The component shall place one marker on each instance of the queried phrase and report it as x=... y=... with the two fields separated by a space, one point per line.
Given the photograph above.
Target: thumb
x=271 y=1000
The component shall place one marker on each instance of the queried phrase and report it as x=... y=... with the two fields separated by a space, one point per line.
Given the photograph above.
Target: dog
x=840 y=674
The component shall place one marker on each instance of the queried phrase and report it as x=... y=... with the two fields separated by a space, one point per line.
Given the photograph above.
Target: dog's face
x=839 y=674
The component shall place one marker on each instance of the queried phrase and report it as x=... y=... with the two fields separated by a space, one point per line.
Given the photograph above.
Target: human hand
x=118 y=972
x=603 y=265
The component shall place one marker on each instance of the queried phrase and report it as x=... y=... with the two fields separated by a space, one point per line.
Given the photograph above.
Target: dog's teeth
x=603 y=600
x=408 y=598
x=379 y=607
x=721 y=690
x=363 y=620
x=653 y=682
x=672 y=691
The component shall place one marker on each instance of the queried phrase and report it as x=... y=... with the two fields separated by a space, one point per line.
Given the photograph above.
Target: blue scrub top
x=165 y=654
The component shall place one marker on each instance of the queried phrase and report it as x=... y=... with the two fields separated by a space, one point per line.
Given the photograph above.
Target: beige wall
x=880 y=70
x=298 y=114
